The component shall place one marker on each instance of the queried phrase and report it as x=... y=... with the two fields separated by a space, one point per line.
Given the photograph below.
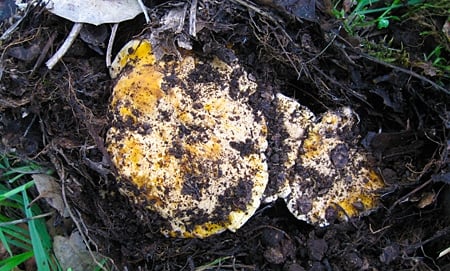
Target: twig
x=13 y=27
x=278 y=27
x=44 y=52
x=77 y=224
x=144 y=10
x=65 y=46
x=29 y=126
x=379 y=230
x=412 y=73
x=409 y=194
x=324 y=49
x=288 y=57
x=444 y=252
x=110 y=44
x=438 y=234
x=23 y=220
x=193 y=19
x=255 y=8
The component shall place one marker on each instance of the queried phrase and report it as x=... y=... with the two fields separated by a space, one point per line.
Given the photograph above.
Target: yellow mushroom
x=327 y=175
x=184 y=136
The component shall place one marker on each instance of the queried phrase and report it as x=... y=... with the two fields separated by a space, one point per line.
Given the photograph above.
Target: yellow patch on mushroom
x=185 y=140
x=136 y=51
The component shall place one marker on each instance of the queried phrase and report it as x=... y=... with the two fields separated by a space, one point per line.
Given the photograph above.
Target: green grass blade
x=5 y=162
x=12 y=235
x=11 y=204
x=212 y=264
x=5 y=242
x=15 y=178
x=102 y=265
x=15 y=191
x=16 y=235
x=40 y=249
x=34 y=238
x=12 y=262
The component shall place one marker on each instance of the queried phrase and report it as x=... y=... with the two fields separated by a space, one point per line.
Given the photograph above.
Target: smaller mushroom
x=327 y=176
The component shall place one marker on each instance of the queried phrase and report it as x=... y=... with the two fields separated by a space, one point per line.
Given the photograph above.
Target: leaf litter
x=50 y=190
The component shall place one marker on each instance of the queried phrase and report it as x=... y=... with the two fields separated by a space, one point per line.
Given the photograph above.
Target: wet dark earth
x=59 y=119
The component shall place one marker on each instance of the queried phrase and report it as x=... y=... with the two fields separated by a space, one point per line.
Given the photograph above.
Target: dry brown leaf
x=426 y=199
x=49 y=189
x=72 y=253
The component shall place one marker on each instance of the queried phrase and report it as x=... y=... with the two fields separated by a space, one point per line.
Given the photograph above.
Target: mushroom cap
x=185 y=141
x=95 y=12
x=327 y=176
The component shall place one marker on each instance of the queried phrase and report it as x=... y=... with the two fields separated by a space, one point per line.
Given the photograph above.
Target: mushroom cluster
x=188 y=143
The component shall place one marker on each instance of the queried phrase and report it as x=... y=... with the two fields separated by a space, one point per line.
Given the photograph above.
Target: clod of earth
x=188 y=144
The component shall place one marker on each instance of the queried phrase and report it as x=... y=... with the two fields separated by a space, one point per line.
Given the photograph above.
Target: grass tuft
x=371 y=13
x=23 y=232
x=358 y=17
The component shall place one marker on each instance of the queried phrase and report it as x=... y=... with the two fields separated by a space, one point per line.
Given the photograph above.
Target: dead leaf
x=72 y=253
x=163 y=38
x=426 y=199
x=49 y=189
x=25 y=53
x=95 y=36
x=95 y=12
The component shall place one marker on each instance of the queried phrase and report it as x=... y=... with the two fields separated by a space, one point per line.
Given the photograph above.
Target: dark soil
x=58 y=118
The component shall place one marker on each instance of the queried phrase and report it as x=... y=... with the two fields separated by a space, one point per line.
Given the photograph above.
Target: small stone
x=317 y=249
x=354 y=260
x=271 y=237
x=274 y=255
